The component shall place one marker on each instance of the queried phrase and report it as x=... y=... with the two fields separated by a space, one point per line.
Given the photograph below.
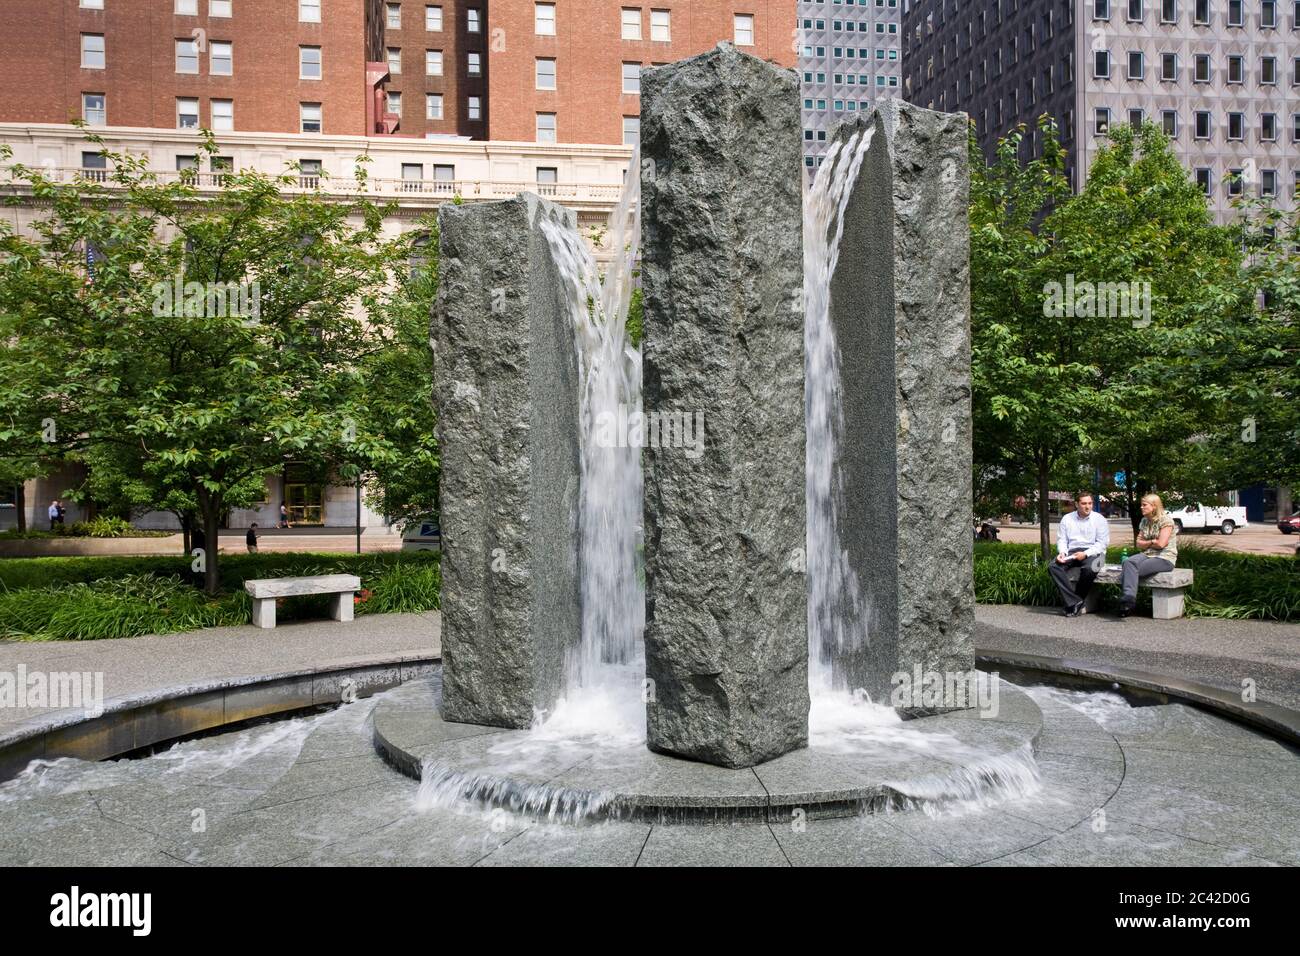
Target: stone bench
x=264 y=592
x=1167 y=590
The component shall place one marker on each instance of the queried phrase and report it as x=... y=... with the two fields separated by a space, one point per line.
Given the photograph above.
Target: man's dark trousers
x=1074 y=580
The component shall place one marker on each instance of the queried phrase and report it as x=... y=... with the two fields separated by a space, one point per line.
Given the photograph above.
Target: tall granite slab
x=726 y=602
x=900 y=310
x=506 y=391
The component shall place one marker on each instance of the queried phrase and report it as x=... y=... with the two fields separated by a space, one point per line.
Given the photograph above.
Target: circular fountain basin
x=957 y=756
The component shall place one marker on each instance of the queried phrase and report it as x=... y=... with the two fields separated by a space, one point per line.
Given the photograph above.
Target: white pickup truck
x=1204 y=518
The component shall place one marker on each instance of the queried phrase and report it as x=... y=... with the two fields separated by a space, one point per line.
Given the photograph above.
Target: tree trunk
x=1134 y=512
x=1044 y=529
x=211 y=524
x=185 y=531
x=20 y=505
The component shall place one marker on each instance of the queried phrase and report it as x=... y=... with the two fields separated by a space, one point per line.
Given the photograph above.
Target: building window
x=92 y=4
x=1135 y=11
x=433 y=106
x=223 y=59
x=1295 y=67
x=744 y=29
x=474 y=64
x=1205 y=179
x=309 y=115
x=309 y=11
x=544 y=19
x=1236 y=69
x=546 y=127
x=444 y=174
x=187 y=56
x=309 y=62
x=1101 y=9
x=1135 y=118
x=1295 y=126
x=1136 y=65
x=472 y=20
x=1169 y=123
x=94 y=166
x=187 y=166
x=1234 y=13
x=1168 y=11
x=394 y=13
x=1101 y=64
x=475 y=107
x=631 y=23
x=1268 y=71
x=547 y=178
x=1169 y=66
x=632 y=78
x=394 y=56
x=1268 y=14
x=433 y=62
x=1234 y=182
x=545 y=74
x=1268 y=127
x=219 y=8
x=631 y=130
x=1101 y=121
x=1236 y=126
x=394 y=103
x=1201 y=15
x=187 y=114
x=223 y=115
x=92 y=51
x=309 y=173
x=93 y=110
x=1268 y=182
x=412 y=177
x=1201 y=73
x=187 y=8
x=661 y=26
x=1202 y=124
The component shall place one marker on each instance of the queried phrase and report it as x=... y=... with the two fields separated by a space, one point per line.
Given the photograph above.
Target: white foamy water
x=838 y=618
x=604 y=670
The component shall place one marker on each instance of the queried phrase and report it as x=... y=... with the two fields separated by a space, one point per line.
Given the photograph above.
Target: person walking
x=284 y=516
x=53 y=513
x=1157 y=543
x=251 y=538
x=1081 y=541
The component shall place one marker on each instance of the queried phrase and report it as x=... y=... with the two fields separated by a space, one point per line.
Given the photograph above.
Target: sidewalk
x=139 y=665
x=1208 y=650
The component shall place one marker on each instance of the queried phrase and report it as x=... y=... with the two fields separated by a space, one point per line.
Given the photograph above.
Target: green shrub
x=1227 y=584
x=93 y=598
x=103 y=526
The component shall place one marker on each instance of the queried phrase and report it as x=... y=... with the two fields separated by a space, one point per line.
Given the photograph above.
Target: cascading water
x=605 y=669
x=837 y=612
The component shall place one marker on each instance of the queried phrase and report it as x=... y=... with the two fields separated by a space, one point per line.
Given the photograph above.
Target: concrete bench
x=265 y=590
x=1167 y=590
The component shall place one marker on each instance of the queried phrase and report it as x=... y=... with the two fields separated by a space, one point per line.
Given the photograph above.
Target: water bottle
x=1123 y=555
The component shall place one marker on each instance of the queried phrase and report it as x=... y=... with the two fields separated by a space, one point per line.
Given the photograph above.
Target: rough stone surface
x=726 y=603
x=507 y=395
x=900 y=308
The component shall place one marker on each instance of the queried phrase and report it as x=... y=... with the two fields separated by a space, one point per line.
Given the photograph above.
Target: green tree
x=201 y=397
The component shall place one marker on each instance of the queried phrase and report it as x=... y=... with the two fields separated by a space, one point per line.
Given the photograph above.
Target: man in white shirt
x=1081 y=542
x=54 y=514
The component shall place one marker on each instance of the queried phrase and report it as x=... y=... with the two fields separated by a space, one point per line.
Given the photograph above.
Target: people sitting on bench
x=1157 y=542
x=1081 y=542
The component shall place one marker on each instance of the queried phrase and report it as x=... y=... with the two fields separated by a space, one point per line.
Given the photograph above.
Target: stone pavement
x=1164 y=786
x=1208 y=650
x=138 y=665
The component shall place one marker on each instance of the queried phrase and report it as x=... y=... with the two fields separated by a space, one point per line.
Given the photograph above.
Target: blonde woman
x=1157 y=544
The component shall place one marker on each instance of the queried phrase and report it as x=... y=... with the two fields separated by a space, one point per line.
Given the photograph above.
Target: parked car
x=422 y=536
x=1289 y=525
x=1197 y=517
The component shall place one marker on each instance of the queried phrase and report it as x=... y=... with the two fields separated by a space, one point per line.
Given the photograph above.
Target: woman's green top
x=1150 y=530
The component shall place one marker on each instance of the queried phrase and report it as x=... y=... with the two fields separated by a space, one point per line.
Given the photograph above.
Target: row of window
x=94 y=110
x=308 y=10
x=1136 y=11
x=433 y=62
x=432 y=18
x=1202 y=124
x=1202 y=68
